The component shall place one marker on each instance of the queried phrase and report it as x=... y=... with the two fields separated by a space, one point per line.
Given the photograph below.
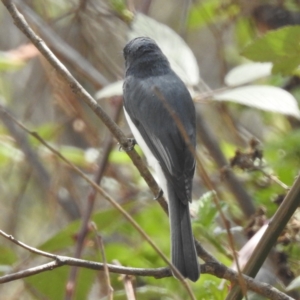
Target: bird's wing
x=159 y=129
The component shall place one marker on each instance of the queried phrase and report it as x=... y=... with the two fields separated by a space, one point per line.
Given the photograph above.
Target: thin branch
x=273 y=178
x=40 y=173
x=214 y=268
x=100 y=245
x=234 y=185
x=268 y=240
x=107 y=197
x=127 y=282
x=29 y=248
x=90 y=201
x=82 y=94
x=62 y=48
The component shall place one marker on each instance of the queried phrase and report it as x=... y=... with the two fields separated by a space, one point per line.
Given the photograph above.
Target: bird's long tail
x=184 y=256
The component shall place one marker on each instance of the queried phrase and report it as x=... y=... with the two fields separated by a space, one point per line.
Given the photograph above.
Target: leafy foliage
x=281 y=47
x=42 y=213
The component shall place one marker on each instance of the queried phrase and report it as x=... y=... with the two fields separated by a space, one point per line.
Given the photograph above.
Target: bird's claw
x=129 y=145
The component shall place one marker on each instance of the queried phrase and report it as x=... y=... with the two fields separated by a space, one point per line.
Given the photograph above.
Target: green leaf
x=66 y=237
x=9 y=153
x=283 y=155
x=52 y=285
x=281 y=47
x=120 y=7
x=210 y=11
x=244 y=31
x=7 y=258
x=74 y=154
x=207 y=209
x=8 y=63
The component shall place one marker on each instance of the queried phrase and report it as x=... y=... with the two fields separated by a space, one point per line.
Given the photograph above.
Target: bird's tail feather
x=184 y=256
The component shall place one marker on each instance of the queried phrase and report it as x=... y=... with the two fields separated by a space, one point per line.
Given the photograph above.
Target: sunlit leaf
x=247 y=73
x=181 y=57
x=267 y=98
x=294 y=285
x=114 y=89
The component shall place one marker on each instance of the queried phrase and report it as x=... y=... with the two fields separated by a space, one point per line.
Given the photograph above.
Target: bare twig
x=39 y=171
x=116 y=205
x=274 y=178
x=99 y=242
x=62 y=48
x=212 y=267
x=208 y=138
x=127 y=282
x=91 y=200
x=82 y=94
x=268 y=240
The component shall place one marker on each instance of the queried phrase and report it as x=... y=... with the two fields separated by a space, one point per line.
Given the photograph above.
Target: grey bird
x=161 y=115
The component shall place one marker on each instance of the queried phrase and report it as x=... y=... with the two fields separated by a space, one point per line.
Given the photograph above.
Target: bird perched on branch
x=161 y=115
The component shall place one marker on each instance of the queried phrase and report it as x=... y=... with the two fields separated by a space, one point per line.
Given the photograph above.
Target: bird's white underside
x=152 y=161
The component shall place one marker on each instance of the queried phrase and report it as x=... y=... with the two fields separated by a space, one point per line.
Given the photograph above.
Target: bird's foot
x=160 y=194
x=129 y=145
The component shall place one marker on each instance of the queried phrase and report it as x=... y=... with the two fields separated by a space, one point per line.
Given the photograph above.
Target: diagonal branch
x=90 y=201
x=107 y=197
x=83 y=95
x=62 y=48
x=268 y=240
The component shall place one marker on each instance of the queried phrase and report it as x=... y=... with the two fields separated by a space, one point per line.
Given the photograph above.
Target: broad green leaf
x=211 y=11
x=207 y=210
x=66 y=237
x=8 y=256
x=244 y=31
x=281 y=47
x=283 y=156
x=51 y=285
x=204 y=14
